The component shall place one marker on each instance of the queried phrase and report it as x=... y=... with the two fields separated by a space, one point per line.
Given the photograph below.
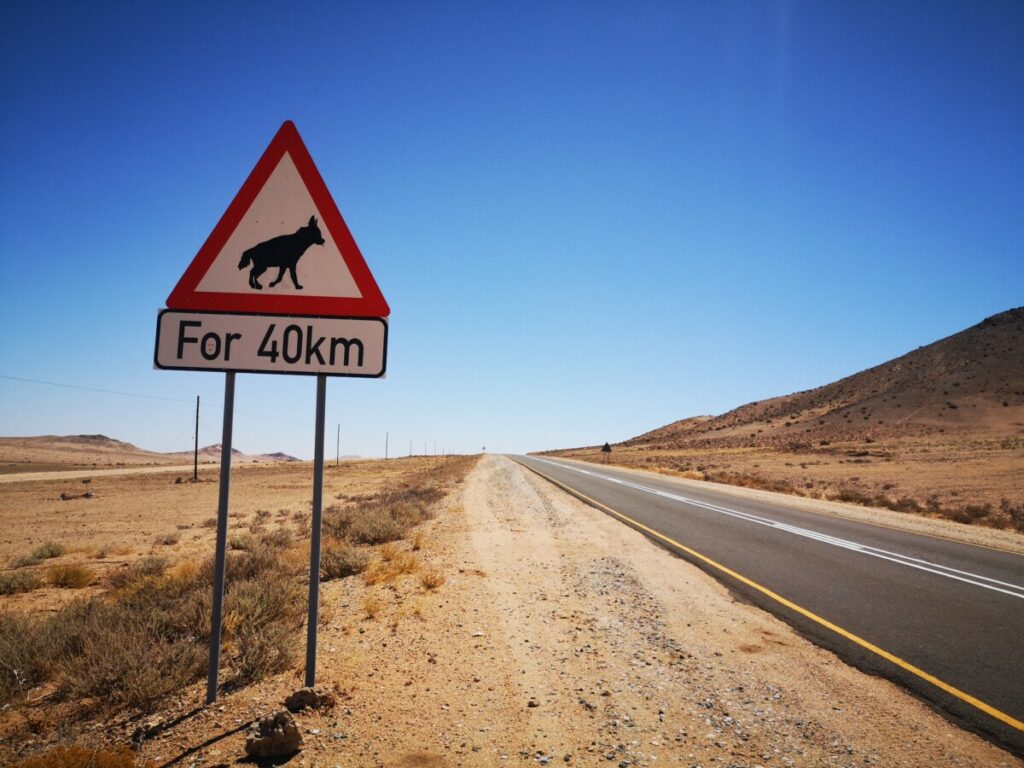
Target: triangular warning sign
x=281 y=247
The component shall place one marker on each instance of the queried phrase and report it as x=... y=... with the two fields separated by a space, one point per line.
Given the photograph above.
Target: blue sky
x=589 y=219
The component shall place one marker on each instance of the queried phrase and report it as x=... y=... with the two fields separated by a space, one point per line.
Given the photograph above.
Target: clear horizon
x=589 y=221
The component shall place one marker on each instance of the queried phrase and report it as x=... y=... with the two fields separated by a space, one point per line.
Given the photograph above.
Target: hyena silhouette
x=282 y=252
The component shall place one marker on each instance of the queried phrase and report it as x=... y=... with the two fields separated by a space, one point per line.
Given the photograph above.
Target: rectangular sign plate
x=213 y=341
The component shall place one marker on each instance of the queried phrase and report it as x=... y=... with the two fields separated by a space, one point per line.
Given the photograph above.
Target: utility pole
x=337 y=448
x=386 y=436
x=195 y=457
x=410 y=449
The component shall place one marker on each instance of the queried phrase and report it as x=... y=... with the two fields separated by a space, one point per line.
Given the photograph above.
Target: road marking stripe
x=905 y=665
x=974 y=579
x=784 y=502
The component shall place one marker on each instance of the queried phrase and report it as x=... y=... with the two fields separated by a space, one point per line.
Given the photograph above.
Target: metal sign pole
x=314 y=546
x=195 y=456
x=220 y=558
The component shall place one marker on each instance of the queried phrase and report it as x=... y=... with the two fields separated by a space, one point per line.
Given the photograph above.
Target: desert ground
x=512 y=624
x=94 y=453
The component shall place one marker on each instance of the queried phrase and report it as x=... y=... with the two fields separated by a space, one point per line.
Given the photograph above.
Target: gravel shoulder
x=634 y=656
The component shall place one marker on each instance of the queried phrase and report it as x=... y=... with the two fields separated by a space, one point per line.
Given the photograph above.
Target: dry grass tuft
x=372 y=605
x=389 y=552
x=384 y=571
x=431 y=579
x=70 y=576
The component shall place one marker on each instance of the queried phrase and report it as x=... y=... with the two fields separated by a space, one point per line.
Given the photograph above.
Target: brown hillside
x=969 y=383
x=53 y=453
x=938 y=431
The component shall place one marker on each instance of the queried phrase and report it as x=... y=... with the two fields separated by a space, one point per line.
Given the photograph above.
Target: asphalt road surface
x=944 y=619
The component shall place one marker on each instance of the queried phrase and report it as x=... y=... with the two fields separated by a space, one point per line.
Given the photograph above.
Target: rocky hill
x=969 y=383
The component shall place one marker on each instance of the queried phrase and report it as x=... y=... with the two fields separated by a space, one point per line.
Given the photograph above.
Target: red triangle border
x=370 y=304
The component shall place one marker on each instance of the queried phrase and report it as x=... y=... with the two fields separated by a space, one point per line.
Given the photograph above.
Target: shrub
x=149 y=637
x=242 y=542
x=124 y=656
x=341 y=560
x=148 y=567
x=22 y=581
x=971 y=513
x=375 y=527
x=70 y=576
x=281 y=537
x=169 y=540
x=1015 y=511
x=262 y=615
x=24 y=659
x=48 y=551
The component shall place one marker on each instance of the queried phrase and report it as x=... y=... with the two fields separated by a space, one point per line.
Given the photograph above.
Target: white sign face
x=333 y=346
x=283 y=207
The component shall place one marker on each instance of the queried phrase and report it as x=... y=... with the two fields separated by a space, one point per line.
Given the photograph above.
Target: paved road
x=942 y=618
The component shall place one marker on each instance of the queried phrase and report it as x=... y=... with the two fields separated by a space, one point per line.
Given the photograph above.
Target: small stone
x=274 y=736
x=309 y=698
x=532 y=703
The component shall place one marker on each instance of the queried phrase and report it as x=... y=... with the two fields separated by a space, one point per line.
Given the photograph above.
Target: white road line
x=1006 y=588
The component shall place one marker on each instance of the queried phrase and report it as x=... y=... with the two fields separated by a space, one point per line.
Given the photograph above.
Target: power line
x=147 y=397
x=94 y=389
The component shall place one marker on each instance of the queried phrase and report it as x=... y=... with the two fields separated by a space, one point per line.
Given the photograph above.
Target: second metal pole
x=219 y=562
x=314 y=546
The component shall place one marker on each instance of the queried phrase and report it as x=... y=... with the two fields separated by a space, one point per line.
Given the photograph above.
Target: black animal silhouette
x=282 y=252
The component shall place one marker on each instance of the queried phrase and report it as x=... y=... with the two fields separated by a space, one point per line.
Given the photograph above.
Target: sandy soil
x=78 y=474
x=561 y=636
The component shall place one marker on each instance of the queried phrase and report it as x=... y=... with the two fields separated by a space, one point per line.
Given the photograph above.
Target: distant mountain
x=970 y=383
x=214 y=450
x=279 y=456
x=54 y=452
x=92 y=441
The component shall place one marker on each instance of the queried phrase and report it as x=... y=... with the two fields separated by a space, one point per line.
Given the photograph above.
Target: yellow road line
x=904 y=665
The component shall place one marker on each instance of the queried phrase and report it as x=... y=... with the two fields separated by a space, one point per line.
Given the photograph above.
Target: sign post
x=220 y=556
x=279 y=286
x=314 y=545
